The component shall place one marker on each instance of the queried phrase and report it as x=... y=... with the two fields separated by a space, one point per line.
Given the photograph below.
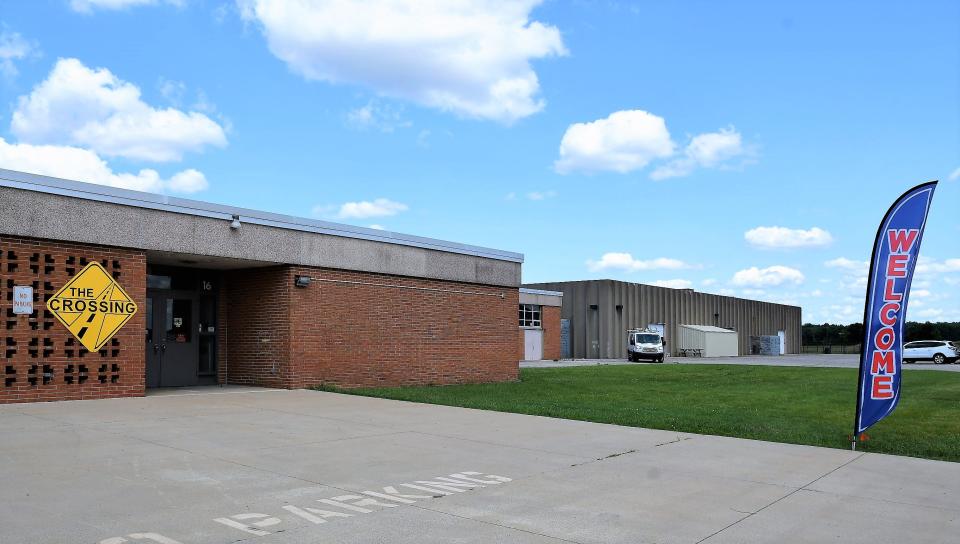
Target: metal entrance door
x=532 y=344
x=172 y=341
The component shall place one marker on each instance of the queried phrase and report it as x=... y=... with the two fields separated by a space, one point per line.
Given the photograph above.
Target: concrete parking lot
x=221 y=465
x=815 y=360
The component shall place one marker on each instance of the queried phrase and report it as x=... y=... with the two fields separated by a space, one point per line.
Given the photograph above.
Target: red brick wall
x=397 y=331
x=38 y=344
x=521 y=344
x=254 y=327
x=550 y=323
x=550 y=316
x=400 y=331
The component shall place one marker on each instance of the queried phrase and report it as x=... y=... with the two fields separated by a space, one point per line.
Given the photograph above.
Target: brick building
x=231 y=295
x=539 y=324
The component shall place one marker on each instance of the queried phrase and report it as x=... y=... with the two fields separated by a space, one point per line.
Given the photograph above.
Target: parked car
x=938 y=351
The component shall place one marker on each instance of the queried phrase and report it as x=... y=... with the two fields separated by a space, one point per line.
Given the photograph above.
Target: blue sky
x=743 y=148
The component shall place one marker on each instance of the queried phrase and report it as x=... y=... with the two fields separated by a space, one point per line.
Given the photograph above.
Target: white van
x=644 y=344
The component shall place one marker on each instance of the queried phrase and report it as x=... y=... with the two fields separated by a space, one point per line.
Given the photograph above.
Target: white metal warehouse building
x=709 y=341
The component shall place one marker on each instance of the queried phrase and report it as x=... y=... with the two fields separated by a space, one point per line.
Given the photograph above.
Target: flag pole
x=877 y=240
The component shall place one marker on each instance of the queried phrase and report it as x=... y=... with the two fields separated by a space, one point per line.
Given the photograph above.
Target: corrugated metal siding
x=600 y=332
x=713 y=343
x=719 y=344
x=691 y=339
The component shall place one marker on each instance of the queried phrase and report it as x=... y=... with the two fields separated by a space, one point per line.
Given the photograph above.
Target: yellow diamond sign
x=92 y=306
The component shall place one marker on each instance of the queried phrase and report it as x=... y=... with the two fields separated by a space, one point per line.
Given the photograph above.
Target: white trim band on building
x=540 y=297
x=541 y=292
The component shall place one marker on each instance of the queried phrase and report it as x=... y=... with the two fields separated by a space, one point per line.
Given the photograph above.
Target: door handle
x=156 y=348
x=163 y=347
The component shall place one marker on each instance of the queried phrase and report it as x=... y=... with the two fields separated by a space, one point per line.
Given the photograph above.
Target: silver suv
x=938 y=351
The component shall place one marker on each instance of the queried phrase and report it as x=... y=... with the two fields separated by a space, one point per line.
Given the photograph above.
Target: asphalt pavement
x=222 y=465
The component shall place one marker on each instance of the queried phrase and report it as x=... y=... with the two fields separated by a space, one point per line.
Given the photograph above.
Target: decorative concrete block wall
x=41 y=360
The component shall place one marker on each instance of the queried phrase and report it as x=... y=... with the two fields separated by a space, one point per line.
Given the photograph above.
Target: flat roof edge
x=530 y=291
x=127 y=197
x=690 y=290
x=706 y=328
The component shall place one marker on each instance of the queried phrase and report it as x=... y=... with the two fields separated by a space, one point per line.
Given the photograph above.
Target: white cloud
x=625 y=261
x=954 y=175
x=840 y=314
x=470 y=57
x=847 y=264
x=84 y=165
x=88 y=6
x=203 y=104
x=712 y=148
x=187 y=181
x=622 y=142
x=423 y=138
x=378 y=116
x=783 y=237
x=858 y=284
x=629 y=140
x=753 y=292
x=173 y=91
x=541 y=195
x=708 y=282
x=13 y=47
x=92 y=108
x=380 y=207
x=707 y=150
x=674 y=284
x=778 y=297
x=772 y=275
x=377 y=227
x=932 y=314
x=929 y=313
x=532 y=195
x=928 y=266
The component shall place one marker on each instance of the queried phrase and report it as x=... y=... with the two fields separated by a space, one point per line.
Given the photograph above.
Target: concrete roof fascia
x=127 y=197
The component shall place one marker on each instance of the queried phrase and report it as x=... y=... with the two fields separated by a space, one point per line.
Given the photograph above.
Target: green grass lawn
x=782 y=404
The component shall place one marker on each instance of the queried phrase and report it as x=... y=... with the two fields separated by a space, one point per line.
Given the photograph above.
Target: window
x=155 y=281
x=529 y=315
